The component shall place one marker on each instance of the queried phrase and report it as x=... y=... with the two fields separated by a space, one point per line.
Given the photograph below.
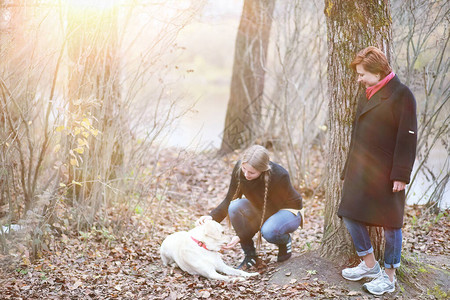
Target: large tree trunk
x=352 y=26
x=247 y=81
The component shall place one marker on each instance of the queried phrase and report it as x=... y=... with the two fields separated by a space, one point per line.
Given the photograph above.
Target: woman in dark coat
x=378 y=167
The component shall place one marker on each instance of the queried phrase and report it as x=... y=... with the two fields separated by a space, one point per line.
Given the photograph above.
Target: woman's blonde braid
x=266 y=192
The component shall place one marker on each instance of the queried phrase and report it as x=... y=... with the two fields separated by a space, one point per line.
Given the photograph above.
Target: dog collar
x=200 y=243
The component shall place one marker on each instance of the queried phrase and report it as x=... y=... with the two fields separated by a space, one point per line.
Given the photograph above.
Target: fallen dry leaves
x=101 y=265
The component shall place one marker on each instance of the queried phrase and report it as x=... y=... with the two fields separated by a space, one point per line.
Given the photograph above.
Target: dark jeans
x=361 y=240
x=246 y=219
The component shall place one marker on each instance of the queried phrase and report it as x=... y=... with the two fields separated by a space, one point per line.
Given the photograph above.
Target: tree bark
x=351 y=27
x=247 y=81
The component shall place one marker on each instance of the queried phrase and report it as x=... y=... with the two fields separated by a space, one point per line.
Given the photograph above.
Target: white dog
x=196 y=252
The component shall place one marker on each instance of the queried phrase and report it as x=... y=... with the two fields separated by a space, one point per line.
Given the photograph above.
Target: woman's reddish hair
x=373 y=60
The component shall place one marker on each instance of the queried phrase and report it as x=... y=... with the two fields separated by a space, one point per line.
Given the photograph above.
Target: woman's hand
x=202 y=220
x=232 y=243
x=398 y=186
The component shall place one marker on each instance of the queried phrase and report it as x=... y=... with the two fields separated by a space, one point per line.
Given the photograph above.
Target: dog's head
x=212 y=235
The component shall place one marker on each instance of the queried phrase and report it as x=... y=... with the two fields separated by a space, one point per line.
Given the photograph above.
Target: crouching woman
x=271 y=205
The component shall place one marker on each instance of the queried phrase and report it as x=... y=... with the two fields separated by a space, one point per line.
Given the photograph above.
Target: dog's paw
x=248 y=274
x=236 y=279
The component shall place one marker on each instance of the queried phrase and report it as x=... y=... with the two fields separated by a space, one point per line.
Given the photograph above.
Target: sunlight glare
x=92 y=4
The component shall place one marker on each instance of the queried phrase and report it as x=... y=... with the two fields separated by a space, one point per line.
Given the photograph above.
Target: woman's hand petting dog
x=202 y=220
x=234 y=241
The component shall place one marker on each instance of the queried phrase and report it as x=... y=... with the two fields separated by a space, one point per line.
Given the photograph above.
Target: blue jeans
x=246 y=220
x=361 y=240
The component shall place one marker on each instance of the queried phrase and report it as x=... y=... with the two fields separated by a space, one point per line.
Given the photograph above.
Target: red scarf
x=370 y=91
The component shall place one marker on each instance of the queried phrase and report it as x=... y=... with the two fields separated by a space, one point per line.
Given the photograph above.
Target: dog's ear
x=213 y=229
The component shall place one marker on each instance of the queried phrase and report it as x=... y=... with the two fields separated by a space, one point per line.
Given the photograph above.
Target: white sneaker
x=380 y=285
x=361 y=271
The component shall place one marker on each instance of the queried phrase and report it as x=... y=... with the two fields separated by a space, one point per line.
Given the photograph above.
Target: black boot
x=285 y=251
x=250 y=259
x=248 y=262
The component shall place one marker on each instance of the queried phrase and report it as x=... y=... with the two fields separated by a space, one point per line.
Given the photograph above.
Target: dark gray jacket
x=382 y=150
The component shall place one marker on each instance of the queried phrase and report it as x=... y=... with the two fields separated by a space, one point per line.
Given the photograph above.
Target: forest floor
x=101 y=265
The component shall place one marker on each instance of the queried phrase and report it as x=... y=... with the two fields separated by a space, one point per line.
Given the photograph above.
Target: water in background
x=208 y=87
x=423 y=186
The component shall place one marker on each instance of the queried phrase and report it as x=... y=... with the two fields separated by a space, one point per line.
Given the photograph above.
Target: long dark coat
x=382 y=150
